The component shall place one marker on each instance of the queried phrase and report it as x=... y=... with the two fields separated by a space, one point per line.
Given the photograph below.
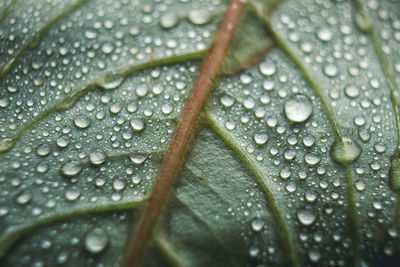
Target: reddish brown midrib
x=177 y=148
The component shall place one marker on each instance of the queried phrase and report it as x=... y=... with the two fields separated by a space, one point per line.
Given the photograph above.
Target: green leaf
x=295 y=161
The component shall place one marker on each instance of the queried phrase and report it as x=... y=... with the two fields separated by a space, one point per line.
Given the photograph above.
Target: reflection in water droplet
x=298 y=108
x=96 y=240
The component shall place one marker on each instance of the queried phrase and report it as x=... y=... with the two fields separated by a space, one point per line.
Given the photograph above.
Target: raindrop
x=168 y=20
x=267 y=68
x=351 y=91
x=257 y=224
x=82 y=122
x=97 y=157
x=324 y=34
x=23 y=198
x=298 y=108
x=346 y=151
x=43 y=150
x=260 y=138
x=71 y=168
x=96 y=240
x=138 y=124
x=199 y=16
x=306 y=216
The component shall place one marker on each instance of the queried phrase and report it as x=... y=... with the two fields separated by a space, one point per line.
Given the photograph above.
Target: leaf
x=294 y=163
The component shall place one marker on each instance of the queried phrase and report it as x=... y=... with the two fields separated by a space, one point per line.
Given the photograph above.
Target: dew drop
x=23 y=198
x=199 y=16
x=71 y=168
x=111 y=82
x=72 y=194
x=168 y=20
x=267 y=68
x=138 y=125
x=96 y=240
x=43 y=150
x=260 y=138
x=306 y=216
x=82 y=122
x=97 y=157
x=257 y=224
x=312 y=159
x=227 y=101
x=351 y=91
x=330 y=70
x=346 y=151
x=298 y=108
x=324 y=34
x=138 y=160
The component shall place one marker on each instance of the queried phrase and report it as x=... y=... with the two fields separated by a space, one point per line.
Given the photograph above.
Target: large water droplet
x=298 y=108
x=96 y=240
x=138 y=125
x=82 y=122
x=306 y=216
x=97 y=157
x=346 y=151
x=71 y=168
x=168 y=20
x=260 y=138
x=257 y=224
x=199 y=16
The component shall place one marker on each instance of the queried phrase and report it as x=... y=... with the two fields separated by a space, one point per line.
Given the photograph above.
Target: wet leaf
x=295 y=161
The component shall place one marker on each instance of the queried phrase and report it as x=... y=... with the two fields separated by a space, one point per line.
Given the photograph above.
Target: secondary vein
x=315 y=83
x=178 y=146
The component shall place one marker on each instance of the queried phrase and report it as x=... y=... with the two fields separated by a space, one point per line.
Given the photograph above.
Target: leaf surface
x=294 y=161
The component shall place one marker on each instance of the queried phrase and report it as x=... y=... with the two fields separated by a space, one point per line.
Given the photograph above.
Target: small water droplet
x=168 y=20
x=260 y=138
x=267 y=68
x=324 y=34
x=43 y=150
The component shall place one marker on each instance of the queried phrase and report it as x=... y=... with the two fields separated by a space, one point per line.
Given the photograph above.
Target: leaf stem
x=179 y=144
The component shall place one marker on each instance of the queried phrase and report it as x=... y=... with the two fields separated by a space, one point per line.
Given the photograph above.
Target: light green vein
x=317 y=85
x=387 y=70
x=70 y=100
x=283 y=230
x=6 y=9
x=200 y=219
x=13 y=233
x=34 y=39
x=168 y=251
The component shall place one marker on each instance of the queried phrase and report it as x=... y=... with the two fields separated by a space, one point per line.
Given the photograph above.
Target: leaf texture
x=294 y=162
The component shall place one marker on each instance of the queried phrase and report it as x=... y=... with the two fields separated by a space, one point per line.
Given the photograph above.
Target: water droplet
x=330 y=70
x=312 y=159
x=346 y=151
x=314 y=255
x=324 y=34
x=260 y=138
x=138 y=124
x=43 y=150
x=167 y=109
x=168 y=20
x=138 y=160
x=267 y=68
x=71 y=168
x=285 y=173
x=306 y=215
x=24 y=198
x=227 y=100
x=298 y=108
x=257 y=224
x=82 y=122
x=72 y=194
x=111 y=82
x=199 y=16
x=351 y=91
x=96 y=240
x=97 y=157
